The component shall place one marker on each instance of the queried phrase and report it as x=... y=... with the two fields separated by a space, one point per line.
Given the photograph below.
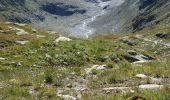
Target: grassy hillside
x=44 y=69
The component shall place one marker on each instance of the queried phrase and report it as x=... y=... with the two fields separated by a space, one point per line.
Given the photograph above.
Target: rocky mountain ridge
x=85 y=17
x=134 y=15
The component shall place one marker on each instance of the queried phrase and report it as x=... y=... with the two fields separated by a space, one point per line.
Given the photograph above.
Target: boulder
x=143 y=76
x=19 y=24
x=132 y=52
x=52 y=32
x=19 y=64
x=127 y=41
x=2 y=31
x=1 y=58
x=20 y=31
x=154 y=79
x=118 y=90
x=150 y=86
x=61 y=39
x=95 y=67
x=162 y=35
x=34 y=30
x=101 y=67
x=22 y=42
x=8 y=23
x=40 y=36
x=131 y=58
x=140 y=62
x=69 y=85
x=137 y=58
x=66 y=97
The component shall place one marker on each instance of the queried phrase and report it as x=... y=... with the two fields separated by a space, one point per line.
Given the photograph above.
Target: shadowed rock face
x=12 y=2
x=5 y=3
x=19 y=19
x=132 y=16
x=150 y=12
x=145 y=3
x=93 y=1
x=141 y=21
x=61 y=9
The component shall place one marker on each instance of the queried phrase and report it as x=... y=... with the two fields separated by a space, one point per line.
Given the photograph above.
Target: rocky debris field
x=36 y=64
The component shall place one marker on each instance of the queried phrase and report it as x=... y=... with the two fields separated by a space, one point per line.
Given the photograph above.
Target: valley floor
x=35 y=64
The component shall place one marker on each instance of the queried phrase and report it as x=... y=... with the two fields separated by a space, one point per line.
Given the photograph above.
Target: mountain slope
x=133 y=15
x=37 y=64
x=58 y=15
x=83 y=18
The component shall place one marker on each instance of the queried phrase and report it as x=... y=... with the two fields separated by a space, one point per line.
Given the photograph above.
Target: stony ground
x=35 y=64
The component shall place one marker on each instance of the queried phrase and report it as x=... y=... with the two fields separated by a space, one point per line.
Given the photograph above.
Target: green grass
x=139 y=95
x=44 y=65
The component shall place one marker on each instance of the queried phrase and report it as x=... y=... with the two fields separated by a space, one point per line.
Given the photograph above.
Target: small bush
x=48 y=78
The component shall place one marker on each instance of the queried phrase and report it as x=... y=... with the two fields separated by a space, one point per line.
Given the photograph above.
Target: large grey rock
x=101 y=67
x=95 y=67
x=22 y=42
x=150 y=86
x=138 y=58
x=162 y=35
x=2 y=31
x=34 y=30
x=118 y=90
x=20 y=31
x=128 y=41
x=143 y=76
x=62 y=39
x=132 y=52
x=67 y=97
x=40 y=36
x=155 y=79
x=1 y=58
x=20 y=24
